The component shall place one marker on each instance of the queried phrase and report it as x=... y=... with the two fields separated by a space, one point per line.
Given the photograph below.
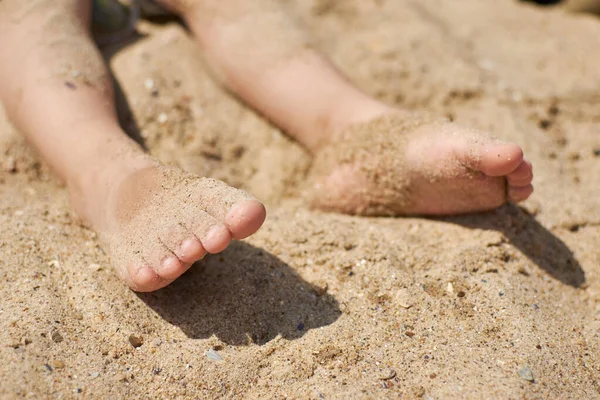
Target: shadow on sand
x=532 y=239
x=244 y=295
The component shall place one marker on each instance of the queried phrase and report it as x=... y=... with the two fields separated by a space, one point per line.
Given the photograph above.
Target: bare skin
x=445 y=168
x=113 y=185
x=157 y=221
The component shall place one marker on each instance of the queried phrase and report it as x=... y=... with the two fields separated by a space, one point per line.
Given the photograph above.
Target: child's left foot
x=399 y=164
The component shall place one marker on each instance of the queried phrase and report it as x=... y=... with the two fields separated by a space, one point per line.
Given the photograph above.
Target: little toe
x=143 y=278
x=517 y=194
x=522 y=176
x=245 y=217
x=499 y=159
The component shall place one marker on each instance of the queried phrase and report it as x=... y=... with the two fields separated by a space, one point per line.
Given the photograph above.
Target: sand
x=501 y=305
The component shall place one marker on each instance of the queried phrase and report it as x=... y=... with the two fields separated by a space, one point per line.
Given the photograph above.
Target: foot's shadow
x=244 y=295
x=532 y=239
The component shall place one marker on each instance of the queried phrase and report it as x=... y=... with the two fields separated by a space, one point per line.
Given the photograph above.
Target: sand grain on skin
x=316 y=304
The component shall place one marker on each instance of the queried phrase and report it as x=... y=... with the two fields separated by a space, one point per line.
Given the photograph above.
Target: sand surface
x=323 y=306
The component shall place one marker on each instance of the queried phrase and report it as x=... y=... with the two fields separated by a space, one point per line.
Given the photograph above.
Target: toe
x=162 y=258
x=143 y=278
x=213 y=235
x=245 y=217
x=190 y=250
x=522 y=176
x=172 y=267
x=216 y=239
x=175 y=250
x=498 y=159
x=240 y=212
x=517 y=194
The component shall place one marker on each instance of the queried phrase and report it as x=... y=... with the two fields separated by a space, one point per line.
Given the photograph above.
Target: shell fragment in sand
x=213 y=355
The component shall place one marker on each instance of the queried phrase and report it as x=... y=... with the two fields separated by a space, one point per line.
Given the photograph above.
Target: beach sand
x=501 y=305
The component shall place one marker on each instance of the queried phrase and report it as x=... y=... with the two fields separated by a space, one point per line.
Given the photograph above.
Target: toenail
x=245 y=217
x=188 y=246
x=216 y=239
x=170 y=263
x=144 y=277
x=213 y=233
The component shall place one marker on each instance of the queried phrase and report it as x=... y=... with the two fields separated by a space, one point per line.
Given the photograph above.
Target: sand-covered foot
x=400 y=164
x=157 y=221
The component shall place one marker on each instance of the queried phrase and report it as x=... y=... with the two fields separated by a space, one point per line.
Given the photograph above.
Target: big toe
x=245 y=217
x=241 y=213
x=499 y=159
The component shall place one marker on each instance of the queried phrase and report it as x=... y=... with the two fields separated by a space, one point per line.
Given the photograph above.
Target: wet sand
x=501 y=305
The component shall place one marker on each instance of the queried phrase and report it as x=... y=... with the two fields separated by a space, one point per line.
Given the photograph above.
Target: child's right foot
x=400 y=164
x=157 y=221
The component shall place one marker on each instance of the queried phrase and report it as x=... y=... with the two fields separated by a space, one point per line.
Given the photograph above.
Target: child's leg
x=398 y=165
x=56 y=90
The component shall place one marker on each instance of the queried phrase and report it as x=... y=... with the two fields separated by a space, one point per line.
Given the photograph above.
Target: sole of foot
x=405 y=165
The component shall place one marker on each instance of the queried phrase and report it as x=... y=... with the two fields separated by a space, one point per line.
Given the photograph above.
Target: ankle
x=360 y=109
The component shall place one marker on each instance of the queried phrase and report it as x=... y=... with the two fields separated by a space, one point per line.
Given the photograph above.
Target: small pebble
x=597 y=152
x=403 y=298
x=136 y=341
x=57 y=337
x=450 y=288
x=387 y=374
x=10 y=165
x=213 y=355
x=149 y=84
x=387 y=384
x=545 y=123
x=95 y=267
x=321 y=288
x=461 y=293
x=95 y=374
x=526 y=373
x=300 y=326
x=57 y=364
x=162 y=118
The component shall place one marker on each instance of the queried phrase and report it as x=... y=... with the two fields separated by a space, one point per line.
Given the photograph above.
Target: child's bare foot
x=157 y=221
x=400 y=164
x=56 y=89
